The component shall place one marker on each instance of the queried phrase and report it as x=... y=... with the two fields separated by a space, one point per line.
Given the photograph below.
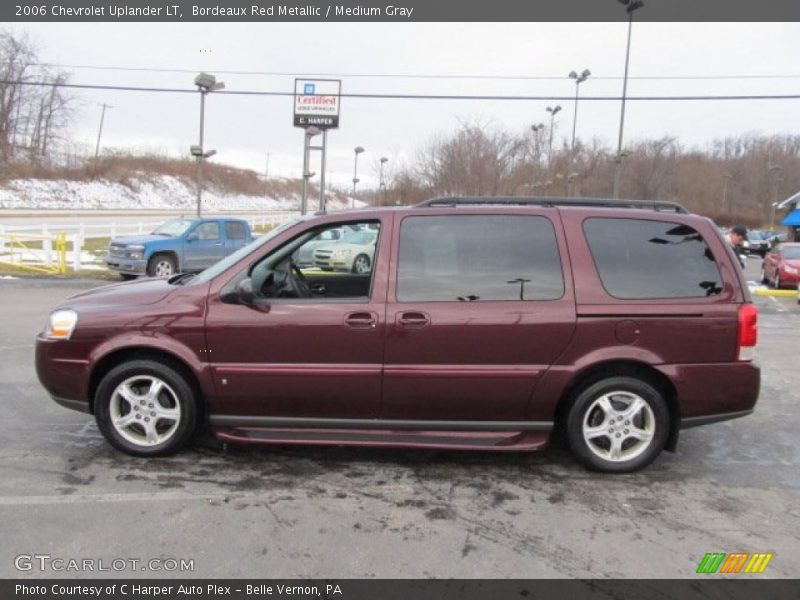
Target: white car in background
x=353 y=252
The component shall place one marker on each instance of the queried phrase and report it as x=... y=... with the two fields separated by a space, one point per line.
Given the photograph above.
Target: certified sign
x=316 y=103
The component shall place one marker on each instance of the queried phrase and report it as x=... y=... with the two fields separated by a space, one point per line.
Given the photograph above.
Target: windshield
x=359 y=238
x=232 y=259
x=173 y=228
x=792 y=252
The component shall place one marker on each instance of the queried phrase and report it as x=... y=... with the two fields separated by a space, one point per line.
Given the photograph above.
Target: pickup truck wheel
x=161 y=265
x=618 y=425
x=361 y=264
x=145 y=408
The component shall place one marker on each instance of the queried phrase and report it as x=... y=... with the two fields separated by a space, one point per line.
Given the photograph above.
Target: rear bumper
x=707 y=393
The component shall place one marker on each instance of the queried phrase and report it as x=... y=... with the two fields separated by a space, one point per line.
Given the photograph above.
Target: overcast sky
x=244 y=129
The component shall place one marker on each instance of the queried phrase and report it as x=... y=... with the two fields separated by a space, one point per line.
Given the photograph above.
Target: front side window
x=332 y=262
x=471 y=258
x=641 y=259
x=207 y=231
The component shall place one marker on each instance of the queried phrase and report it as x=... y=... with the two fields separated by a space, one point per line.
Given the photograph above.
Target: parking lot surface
x=337 y=512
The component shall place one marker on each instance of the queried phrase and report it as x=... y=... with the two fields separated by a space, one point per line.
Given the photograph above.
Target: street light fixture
x=579 y=79
x=358 y=150
x=205 y=83
x=630 y=7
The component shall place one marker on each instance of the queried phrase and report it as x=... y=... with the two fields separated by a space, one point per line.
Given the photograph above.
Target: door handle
x=361 y=320
x=413 y=320
x=218 y=244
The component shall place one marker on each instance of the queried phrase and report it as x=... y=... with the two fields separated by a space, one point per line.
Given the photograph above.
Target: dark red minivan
x=466 y=323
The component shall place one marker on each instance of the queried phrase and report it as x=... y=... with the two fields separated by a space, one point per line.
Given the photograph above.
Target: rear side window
x=639 y=259
x=478 y=258
x=235 y=230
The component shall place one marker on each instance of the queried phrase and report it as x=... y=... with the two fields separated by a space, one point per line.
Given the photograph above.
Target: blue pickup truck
x=177 y=246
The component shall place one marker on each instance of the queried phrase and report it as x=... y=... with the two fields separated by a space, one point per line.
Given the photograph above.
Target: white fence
x=78 y=232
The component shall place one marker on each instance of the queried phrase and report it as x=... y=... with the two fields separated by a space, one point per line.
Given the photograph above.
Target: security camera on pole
x=316 y=109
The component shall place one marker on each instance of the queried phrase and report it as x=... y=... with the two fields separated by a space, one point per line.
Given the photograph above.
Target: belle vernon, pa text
x=212 y=589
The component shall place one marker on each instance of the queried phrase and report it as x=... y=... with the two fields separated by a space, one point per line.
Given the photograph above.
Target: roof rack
x=656 y=205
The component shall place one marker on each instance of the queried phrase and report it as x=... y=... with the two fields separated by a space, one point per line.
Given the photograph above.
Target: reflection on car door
x=478 y=308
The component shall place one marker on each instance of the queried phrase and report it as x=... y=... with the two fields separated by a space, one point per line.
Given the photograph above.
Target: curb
x=778 y=293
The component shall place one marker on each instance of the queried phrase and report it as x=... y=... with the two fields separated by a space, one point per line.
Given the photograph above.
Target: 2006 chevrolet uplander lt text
x=482 y=323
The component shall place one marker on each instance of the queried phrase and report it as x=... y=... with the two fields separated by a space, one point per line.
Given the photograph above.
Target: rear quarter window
x=643 y=259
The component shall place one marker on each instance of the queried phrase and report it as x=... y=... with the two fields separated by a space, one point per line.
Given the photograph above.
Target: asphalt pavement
x=335 y=512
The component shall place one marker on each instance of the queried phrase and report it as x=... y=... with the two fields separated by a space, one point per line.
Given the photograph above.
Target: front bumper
x=127 y=266
x=63 y=376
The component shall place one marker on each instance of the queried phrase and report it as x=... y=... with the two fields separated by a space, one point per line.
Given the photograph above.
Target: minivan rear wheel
x=145 y=408
x=618 y=425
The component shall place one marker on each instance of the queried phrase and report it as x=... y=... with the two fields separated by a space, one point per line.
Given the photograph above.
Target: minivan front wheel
x=145 y=408
x=618 y=425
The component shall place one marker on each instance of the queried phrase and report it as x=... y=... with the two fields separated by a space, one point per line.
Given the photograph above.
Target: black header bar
x=402 y=11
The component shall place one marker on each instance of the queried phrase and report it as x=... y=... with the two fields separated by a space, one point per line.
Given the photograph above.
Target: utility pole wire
x=409 y=96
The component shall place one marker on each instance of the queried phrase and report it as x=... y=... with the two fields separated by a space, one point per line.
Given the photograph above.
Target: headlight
x=746 y=244
x=790 y=270
x=61 y=324
x=137 y=254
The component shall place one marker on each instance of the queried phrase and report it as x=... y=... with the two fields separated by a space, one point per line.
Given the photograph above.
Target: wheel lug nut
x=138 y=416
x=627 y=422
x=150 y=405
x=142 y=402
x=626 y=431
x=147 y=420
x=617 y=435
x=152 y=413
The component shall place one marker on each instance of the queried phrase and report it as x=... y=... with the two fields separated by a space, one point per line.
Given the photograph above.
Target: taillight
x=748 y=331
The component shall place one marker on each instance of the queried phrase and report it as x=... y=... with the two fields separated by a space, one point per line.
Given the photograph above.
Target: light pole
x=382 y=182
x=100 y=131
x=205 y=83
x=357 y=150
x=630 y=7
x=727 y=177
x=775 y=170
x=553 y=110
x=266 y=179
x=309 y=132
x=579 y=79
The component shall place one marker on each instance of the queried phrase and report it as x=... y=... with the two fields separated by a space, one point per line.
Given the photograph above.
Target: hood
x=139 y=239
x=130 y=293
x=792 y=262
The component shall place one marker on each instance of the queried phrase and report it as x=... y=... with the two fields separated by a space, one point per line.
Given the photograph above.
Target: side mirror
x=192 y=237
x=245 y=291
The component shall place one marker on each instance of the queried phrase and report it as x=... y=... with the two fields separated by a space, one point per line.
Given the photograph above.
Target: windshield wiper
x=180 y=278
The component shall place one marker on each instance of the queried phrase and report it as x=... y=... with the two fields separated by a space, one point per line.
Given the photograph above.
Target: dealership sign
x=316 y=103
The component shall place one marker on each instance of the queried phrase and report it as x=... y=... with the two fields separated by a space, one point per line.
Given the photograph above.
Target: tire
x=127 y=276
x=161 y=265
x=125 y=423
x=599 y=432
x=361 y=264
